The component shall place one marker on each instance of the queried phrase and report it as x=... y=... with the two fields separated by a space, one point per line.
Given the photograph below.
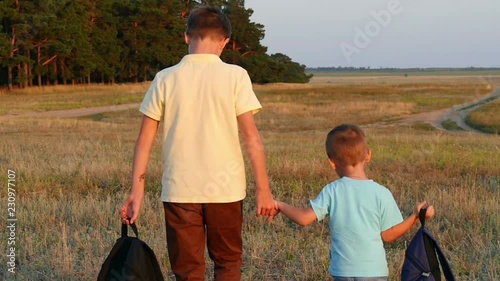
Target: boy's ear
x=368 y=157
x=186 y=38
x=332 y=164
x=224 y=43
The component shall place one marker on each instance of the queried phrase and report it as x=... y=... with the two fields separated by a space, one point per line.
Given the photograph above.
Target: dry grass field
x=72 y=174
x=69 y=97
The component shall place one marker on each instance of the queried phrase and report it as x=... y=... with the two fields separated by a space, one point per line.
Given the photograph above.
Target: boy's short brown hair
x=206 y=21
x=346 y=145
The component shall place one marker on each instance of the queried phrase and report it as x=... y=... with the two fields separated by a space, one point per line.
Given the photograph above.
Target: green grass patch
x=451 y=125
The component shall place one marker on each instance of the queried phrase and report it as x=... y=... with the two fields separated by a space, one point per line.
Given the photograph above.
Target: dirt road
x=457 y=114
x=78 y=112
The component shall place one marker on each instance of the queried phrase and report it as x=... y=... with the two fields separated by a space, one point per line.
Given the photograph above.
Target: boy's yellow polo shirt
x=197 y=102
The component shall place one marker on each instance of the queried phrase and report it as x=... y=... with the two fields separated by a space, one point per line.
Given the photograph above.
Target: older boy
x=202 y=101
x=362 y=212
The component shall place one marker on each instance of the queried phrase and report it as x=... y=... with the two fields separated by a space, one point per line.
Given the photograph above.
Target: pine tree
x=84 y=41
x=103 y=37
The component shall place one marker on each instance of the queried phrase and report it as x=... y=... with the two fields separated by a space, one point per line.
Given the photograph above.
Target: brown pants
x=187 y=227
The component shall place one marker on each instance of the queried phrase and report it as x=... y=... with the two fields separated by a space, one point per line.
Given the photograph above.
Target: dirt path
x=78 y=112
x=457 y=113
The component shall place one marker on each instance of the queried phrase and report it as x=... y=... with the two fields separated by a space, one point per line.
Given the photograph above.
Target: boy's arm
x=147 y=134
x=255 y=150
x=398 y=230
x=300 y=216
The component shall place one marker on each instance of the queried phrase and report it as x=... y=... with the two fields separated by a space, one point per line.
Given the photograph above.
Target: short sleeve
x=390 y=215
x=245 y=99
x=153 y=104
x=322 y=204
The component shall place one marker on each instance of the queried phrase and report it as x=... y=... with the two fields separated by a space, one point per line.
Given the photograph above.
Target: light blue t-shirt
x=359 y=211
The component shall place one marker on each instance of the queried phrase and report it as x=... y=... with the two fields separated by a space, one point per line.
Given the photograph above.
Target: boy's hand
x=276 y=210
x=430 y=213
x=129 y=212
x=430 y=210
x=265 y=204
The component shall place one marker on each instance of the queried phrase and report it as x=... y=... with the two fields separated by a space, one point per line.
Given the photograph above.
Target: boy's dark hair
x=206 y=21
x=346 y=145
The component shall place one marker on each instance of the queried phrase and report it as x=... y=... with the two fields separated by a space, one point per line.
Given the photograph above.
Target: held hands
x=266 y=206
x=430 y=210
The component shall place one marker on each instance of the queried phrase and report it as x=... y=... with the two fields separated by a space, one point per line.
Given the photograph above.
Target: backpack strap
x=432 y=247
x=448 y=273
x=421 y=217
x=430 y=251
x=429 y=247
x=125 y=230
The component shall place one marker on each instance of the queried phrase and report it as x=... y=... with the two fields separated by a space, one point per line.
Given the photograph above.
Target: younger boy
x=363 y=214
x=202 y=102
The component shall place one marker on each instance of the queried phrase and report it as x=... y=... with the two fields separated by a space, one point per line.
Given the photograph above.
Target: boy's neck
x=206 y=46
x=354 y=172
x=202 y=51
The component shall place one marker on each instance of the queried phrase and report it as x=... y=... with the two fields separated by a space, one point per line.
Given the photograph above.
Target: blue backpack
x=421 y=263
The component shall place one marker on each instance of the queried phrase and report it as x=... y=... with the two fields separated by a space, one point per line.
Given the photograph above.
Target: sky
x=382 y=33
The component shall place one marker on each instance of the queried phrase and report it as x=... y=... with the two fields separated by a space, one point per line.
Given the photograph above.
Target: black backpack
x=130 y=259
x=421 y=262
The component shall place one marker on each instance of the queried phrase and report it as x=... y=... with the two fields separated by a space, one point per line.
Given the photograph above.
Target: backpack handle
x=125 y=230
x=421 y=216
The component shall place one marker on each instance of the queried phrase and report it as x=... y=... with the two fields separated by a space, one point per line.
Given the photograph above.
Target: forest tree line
x=51 y=42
